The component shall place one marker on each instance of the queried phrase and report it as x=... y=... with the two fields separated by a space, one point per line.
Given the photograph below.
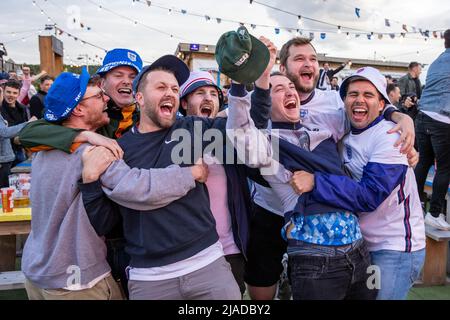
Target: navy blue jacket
x=239 y=203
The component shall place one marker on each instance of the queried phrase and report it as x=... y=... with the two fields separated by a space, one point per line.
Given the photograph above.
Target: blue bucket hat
x=120 y=57
x=169 y=62
x=65 y=94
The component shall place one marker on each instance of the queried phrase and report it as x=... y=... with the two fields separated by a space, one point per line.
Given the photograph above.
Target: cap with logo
x=170 y=62
x=120 y=57
x=241 y=56
x=198 y=79
x=65 y=94
x=370 y=74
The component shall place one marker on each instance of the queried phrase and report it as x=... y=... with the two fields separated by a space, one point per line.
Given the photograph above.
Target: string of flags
x=298 y=30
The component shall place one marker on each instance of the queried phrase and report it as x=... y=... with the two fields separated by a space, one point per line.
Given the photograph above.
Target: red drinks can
x=7 y=199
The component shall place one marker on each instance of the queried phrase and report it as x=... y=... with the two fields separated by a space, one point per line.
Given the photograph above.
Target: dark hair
x=413 y=65
x=447 y=38
x=323 y=64
x=45 y=78
x=297 y=41
x=335 y=78
x=391 y=87
x=388 y=76
x=13 y=84
x=93 y=80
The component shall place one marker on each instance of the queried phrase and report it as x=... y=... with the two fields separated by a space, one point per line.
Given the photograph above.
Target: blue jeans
x=329 y=273
x=398 y=270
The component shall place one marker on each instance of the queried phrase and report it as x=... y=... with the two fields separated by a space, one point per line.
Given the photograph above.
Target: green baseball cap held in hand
x=241 y=56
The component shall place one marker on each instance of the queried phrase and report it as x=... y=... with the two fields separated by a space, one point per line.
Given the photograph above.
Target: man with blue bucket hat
x=120 y=67
x=66 y=259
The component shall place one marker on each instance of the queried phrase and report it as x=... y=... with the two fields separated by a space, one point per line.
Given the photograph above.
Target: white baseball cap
x=370 y=74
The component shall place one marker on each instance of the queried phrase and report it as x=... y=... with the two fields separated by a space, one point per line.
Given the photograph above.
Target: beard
x=153 y=115
x=295 y=78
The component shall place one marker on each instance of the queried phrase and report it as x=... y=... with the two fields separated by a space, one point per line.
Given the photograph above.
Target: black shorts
x=265 y=248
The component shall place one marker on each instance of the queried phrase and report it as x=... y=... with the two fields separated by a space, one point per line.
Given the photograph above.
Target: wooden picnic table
x=12 y=224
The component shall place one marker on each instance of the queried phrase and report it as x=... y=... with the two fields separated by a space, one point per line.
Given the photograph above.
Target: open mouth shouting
x=290 y=104
x=167 y=108
x=359 y=113
x=206 y=110
x=125 y=92
x=307 y=75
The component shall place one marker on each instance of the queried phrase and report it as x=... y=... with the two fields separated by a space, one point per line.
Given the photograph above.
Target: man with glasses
x=66 y=259
x=120 y=67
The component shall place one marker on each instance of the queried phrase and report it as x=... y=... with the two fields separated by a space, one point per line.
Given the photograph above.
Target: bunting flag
x=427 y=33
x=311 y=35
x=323 y=35
x=405 y=28
x=392 y=35
x=149 y=3
x=369 y=37
x=357 y=35
x=218 y=20
x=387 y=23
x=435 y=34
x=183 y=11
x=380 y=36
x=357 y=12
x=414 y=29
x=253 y=26
x=277 y=30
x=421 y=32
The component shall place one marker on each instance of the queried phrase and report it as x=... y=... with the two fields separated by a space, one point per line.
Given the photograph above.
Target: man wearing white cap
x=383 y=189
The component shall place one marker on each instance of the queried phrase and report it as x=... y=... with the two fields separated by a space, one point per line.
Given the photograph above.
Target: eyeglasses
x=100 y=96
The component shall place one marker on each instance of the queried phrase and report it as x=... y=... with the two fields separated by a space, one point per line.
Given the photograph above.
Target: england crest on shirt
x=303 y=113
x=348 y=152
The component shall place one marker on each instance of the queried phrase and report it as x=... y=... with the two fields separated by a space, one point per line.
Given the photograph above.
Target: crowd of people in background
x=341 y=193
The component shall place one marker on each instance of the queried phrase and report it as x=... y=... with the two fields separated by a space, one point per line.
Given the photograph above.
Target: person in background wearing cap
x=66 y=259
x=175 y=250
x=298 y=61
x=7 y=155
x=327 y=255
x=227 y=183
x=120 y=67
x=383 y=189
x=433 y=132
